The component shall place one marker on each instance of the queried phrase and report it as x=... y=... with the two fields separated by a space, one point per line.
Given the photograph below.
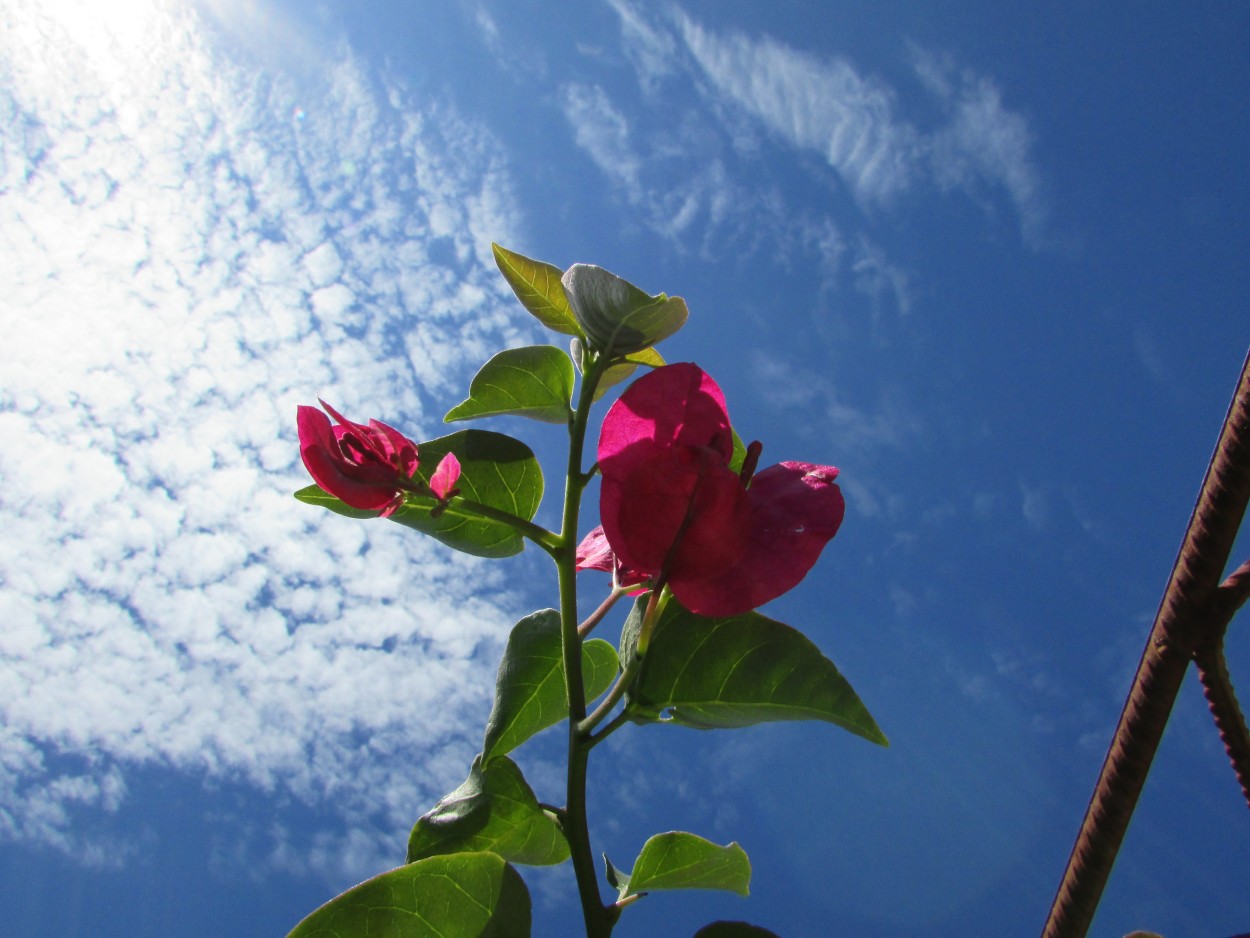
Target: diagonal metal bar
x=1217 y=686
x=1185 y=618
x=1222 y=701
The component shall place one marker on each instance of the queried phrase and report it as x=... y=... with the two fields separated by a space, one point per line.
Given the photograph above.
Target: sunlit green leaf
x=616 y=317
x=316 y=495
x=741 y=670
x=529 y=691
x=535 y=382
x=618 y=373
x=494 y=810
x=461 y=895
x=537 y=285
x=678 y=860
x=495 y=470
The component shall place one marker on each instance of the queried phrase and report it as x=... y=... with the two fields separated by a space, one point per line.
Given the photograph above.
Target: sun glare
x=104 y=27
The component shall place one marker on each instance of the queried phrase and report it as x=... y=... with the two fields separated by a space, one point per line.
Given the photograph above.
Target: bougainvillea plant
x=687 y=527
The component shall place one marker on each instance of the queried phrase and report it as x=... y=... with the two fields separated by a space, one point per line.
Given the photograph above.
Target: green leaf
x=617 y=879
x=462 y=895
x=616 y=317
x=733 y=930
x=741 y=670
x=316 y=495
x=529 y=691
x=495 y=470
x=739 y=452
x=678 y=860
x=535 y=382
x=618 y=373
x=493 y=810
x=631 y=629
x=537 y=285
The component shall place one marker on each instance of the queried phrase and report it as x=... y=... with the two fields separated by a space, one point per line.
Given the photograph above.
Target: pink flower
x=595 y=553
x=446 y=473
x=367 y=467
x=672 y=509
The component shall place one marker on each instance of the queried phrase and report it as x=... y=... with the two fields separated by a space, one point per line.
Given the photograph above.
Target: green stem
x=618 y=691
x=609 y=728
x=545 y=539
x=655 y=606
x=599 y=918
x=596 y=617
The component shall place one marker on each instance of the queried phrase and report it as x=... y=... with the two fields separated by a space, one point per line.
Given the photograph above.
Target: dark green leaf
x=529 y=691
x=537 y=285
x=616 y=317
x=462 y=895
x=733 y=930
x=493 y=810
x=741 y=670
x=678 y=860
x=495 y=470
x=535 y=382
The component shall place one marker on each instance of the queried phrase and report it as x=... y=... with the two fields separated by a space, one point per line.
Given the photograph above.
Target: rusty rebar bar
x=1182 y=620
x=1217 y=686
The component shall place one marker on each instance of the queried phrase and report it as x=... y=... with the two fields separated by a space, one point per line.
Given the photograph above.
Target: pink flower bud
x=367 y=467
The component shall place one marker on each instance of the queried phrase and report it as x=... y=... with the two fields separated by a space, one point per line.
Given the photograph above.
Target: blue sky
x=989 y=260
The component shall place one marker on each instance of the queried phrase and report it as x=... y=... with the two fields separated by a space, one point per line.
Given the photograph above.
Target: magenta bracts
x=724 y=542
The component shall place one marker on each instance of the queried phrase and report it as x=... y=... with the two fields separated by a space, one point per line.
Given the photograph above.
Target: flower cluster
x=685 y=518
x=674 y=512
x=366 y=467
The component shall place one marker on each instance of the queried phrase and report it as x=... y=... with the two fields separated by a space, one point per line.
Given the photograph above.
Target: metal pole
x=1183 y=620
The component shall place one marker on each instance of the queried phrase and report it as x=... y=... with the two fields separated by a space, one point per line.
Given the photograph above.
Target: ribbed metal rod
x=1217 y=687
x=1177 y=628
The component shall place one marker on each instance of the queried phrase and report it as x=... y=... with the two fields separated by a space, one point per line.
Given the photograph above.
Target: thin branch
x=604 y=607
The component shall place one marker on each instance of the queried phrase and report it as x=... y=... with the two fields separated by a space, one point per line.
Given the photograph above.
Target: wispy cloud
x=972 y=142
x=194 y=247
x=860 y=430
x=602 y=131
x=983 y=144
x=1034 y=505
x=886 y=284
x=650 y=47
x=812 y=103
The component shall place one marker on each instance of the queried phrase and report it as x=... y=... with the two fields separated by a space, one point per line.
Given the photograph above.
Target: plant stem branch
x=609 y=728
x=599 y=918
x=545 y=539
x=626 y=678
x=596 y=617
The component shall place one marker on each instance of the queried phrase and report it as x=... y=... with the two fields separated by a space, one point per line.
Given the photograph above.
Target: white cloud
x=885 y=284
x=983 y=142
x=828 y=105
x=602 y=131
x=860 y=431
x=1034 y=505
x=813 y=103
x=193 y=248
x=651 y=48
